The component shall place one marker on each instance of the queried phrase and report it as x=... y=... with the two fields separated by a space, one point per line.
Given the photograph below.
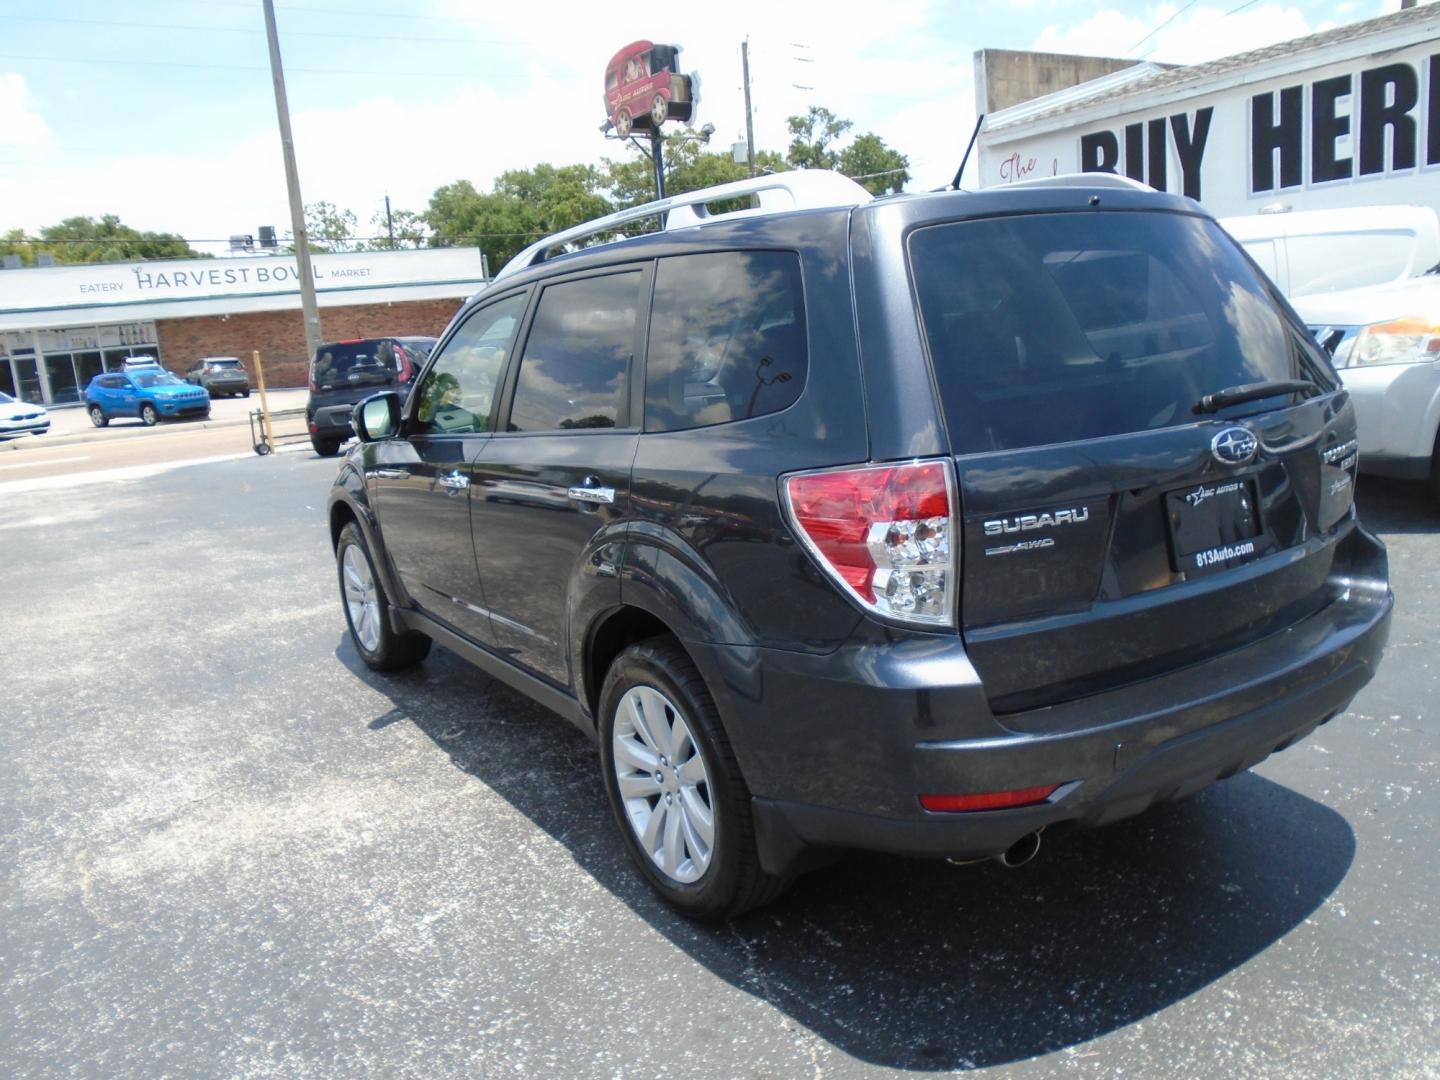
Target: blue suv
x=148 y=394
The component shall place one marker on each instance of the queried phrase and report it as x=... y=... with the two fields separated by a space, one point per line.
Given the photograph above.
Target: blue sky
x=163 y=111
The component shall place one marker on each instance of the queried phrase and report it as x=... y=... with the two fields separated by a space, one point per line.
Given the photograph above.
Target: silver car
x=1385 y=340
x=21 y=418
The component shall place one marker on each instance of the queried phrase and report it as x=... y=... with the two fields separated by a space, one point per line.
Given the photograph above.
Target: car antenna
x=955 y=184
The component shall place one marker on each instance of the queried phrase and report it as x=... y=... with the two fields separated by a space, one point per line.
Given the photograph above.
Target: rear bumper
x=838 y=748
x=331 y=421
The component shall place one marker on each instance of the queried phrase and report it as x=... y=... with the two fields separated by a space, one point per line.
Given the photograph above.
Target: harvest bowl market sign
x=1315 y=128
x=205 y=279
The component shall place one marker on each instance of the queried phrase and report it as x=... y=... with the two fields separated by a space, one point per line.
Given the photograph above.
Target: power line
x=1206 y=26
x=367 y=72
x=406 y=15
x=449 y=39
x=1167 y=22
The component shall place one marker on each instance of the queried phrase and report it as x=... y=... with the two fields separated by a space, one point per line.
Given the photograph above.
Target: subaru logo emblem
x=1234 y=446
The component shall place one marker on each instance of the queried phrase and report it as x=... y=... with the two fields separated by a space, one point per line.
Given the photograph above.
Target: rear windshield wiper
x=1234 y=395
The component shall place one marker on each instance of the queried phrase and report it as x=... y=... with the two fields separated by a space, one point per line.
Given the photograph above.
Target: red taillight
x=883 y=532
x=989 y=800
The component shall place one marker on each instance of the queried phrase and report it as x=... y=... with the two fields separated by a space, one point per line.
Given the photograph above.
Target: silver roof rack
x=1083 y=179
x=800 y=189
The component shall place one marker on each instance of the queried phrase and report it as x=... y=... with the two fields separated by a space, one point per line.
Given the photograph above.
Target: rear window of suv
x=1057 y=327
x=355 y=363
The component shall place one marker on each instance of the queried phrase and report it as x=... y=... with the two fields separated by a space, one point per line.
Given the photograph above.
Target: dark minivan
x=343 y=372
x=919 y=524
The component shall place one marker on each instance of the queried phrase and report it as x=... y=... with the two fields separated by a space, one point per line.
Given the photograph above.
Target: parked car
x=139 y=363
x=220 y=375
x=343 y=372
x=150 y=394
x=21 y=418
x=1318 y=251
x=1385 y=340
x=919 y=524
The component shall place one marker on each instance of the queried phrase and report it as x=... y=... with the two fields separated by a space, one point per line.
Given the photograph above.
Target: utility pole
x=389 y=223
x=657 y=161
x=749 y=117
x=311 y=309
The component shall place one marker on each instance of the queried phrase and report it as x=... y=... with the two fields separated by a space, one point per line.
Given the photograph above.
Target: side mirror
x=377 y=417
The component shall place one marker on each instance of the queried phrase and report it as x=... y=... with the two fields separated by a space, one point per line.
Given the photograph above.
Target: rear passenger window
x=573 y=370
x=727 y=339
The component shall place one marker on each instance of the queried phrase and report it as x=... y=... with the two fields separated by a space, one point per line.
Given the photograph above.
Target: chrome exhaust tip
x=1020 y=852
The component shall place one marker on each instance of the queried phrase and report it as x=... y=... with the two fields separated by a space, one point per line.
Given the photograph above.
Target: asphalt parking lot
x=226 y=848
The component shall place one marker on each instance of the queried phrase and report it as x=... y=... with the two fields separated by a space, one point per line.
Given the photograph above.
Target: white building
x=1342 y=118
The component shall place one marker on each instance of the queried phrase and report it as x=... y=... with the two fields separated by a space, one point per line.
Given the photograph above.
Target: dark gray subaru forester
x=920 y=524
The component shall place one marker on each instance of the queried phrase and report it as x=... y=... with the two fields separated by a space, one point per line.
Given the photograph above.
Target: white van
x=1317 y=251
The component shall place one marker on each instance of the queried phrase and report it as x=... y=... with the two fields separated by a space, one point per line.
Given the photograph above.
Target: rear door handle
x=586 y=494
x=455 y=481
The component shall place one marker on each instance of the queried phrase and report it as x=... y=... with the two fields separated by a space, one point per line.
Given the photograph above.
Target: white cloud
x=21 y=125
x=1186 y=36
x=354 y=156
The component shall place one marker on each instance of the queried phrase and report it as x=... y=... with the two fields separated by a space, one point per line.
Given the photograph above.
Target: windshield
x=6 y=399
x=146 y=379
x=222 y=365
x=1057 y=327
x=355 y=363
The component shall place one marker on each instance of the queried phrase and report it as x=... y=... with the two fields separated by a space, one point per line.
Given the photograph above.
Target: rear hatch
x=1115 y=527
x=345 y=371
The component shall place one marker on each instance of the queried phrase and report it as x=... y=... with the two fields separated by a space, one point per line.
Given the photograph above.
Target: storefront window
x=87 y=366
x=28 y=379
x=61 y=373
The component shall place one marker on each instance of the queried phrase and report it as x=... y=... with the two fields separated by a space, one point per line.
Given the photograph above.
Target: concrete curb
x=40 y=441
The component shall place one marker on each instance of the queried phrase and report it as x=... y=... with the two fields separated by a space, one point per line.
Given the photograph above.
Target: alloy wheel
x=664 y=784
x=362 y=600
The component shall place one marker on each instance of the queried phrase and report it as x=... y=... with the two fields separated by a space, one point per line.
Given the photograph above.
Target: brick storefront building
x=60 y=326
x=280 y=335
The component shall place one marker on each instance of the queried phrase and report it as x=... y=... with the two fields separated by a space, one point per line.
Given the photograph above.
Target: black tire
x=733 y=882
x=392 y=651
x=1434 y=482
x=245 y=393
x=325 y=447
x=98 y=417
x=149 y=415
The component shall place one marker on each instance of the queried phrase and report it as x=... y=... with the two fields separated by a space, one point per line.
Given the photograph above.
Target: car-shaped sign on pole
x=644 y=88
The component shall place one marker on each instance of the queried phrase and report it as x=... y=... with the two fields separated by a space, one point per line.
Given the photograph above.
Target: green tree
x=525 y=205
x=330 y=228
x=92 y=240
x=812 y=136
x=689 y=166
x=875 y=165
x=12 y=242
x=409 y=227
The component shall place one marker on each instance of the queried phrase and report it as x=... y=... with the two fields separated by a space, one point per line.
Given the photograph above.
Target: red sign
x=644 y=88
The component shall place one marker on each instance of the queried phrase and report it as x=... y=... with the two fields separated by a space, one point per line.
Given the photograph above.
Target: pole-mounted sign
x=644 y=88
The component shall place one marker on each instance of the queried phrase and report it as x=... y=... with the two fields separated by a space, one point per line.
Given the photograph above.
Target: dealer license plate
x=1213 y=526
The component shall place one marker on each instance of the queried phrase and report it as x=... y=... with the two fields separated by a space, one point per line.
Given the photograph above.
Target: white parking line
x=47 y=461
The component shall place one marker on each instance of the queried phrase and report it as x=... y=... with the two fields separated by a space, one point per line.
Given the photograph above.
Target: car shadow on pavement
x=926 y=965
x=1396 y=506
